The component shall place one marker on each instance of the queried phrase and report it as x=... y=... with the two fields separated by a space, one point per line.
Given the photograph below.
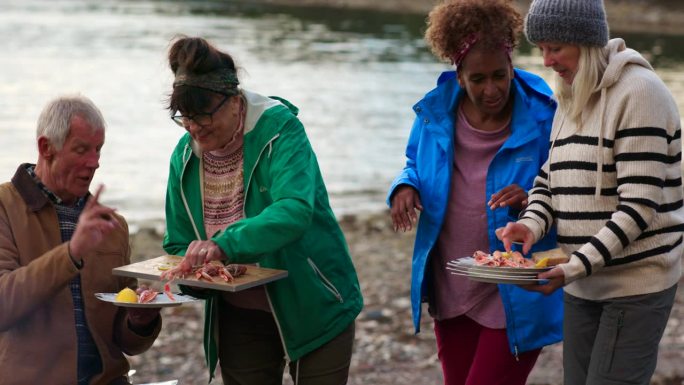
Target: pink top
x=465 y=229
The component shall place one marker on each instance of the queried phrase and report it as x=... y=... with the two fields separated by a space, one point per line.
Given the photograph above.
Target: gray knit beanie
x=581 y=22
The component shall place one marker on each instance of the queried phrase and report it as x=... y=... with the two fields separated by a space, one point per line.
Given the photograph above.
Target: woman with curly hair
x=478 y=141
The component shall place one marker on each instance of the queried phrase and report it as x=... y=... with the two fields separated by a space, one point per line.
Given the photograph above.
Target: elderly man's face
x=71 y=168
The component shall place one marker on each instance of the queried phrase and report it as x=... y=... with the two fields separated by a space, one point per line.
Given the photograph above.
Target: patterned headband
x=222 y=80
x=467 y=45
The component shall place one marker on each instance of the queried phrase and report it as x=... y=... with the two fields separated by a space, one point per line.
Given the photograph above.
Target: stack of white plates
x=496 y=274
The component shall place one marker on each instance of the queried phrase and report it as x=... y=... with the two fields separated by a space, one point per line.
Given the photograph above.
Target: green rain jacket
x=287 y=224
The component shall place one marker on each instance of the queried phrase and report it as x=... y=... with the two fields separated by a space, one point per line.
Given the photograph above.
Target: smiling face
x=224 y=126
x=562 y=58
x=486 y=77
x=68 y=171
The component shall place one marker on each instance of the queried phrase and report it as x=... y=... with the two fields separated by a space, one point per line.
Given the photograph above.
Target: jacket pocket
x=325 y=281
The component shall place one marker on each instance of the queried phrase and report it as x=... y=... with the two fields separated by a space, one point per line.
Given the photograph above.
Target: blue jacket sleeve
x=409 y=175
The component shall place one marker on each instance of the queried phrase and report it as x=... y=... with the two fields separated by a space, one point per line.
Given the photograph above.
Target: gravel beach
x=386 y=350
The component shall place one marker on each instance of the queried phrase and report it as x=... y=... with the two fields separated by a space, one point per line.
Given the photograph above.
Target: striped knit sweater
x=621 y=226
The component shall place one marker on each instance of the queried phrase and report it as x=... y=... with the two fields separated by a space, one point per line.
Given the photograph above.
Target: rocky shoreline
x=386 y=350
x=649 y=16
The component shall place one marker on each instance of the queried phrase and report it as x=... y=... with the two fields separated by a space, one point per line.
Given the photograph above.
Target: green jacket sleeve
x=293 y=175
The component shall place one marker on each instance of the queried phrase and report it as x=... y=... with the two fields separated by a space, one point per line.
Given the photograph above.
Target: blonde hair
x=572 y=98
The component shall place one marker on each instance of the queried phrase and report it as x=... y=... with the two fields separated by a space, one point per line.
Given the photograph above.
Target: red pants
x=472 y=354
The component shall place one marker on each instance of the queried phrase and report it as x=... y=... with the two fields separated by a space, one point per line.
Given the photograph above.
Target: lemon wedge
x=126 y=295
x=542 y=262
x=163 y=267
x=506 y=254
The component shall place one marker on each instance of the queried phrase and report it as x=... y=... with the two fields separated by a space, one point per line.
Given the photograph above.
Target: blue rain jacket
x=532 y=319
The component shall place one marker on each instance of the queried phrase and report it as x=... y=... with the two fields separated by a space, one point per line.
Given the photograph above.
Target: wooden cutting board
x=152 y=269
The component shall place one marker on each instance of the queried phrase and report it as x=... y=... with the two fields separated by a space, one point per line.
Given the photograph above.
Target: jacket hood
x=618 y=57
x=528 y=89
x=256 y=106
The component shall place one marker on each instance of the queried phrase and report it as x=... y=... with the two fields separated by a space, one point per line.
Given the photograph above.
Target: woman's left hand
x=556 y=278
x=509 y=196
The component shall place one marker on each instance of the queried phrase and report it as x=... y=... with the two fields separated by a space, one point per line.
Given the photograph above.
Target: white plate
x=469 y=263
x=493 y=278
x=496 y=274
x=161 y=300
x=507 y=274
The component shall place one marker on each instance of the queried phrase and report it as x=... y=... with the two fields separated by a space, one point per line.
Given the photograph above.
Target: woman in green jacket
x=245 y=187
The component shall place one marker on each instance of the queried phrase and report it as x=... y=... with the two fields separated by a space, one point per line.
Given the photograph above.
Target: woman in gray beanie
x=613 y=187
x=477 y=142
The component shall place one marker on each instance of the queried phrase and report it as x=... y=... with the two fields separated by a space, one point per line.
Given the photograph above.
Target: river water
x=353 y=74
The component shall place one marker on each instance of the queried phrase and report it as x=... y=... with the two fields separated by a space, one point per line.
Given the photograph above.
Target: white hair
x=54 y=121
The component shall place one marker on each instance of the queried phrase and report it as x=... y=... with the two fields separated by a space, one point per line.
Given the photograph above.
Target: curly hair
x=450 y=23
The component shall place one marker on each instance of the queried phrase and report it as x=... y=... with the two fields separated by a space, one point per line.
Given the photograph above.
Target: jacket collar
x=531 y=99
x=28 y=189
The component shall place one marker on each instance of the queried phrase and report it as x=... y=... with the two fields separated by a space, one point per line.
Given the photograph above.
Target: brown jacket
x=37 y=328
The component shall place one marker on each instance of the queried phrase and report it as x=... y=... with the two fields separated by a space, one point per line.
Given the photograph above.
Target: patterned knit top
x=613 y=185
x=223 y=190
x=224 y=193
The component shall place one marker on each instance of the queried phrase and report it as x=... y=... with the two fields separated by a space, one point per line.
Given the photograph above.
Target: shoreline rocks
x=655 y=16
x=386 y=351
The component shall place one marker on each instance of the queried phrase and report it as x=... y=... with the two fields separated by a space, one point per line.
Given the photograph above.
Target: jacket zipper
x=326 y=282
x=244 y=215
x=185 y=201
x=510 y=321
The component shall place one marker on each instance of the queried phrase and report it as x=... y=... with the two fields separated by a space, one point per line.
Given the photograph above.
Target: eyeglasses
x=201 y=119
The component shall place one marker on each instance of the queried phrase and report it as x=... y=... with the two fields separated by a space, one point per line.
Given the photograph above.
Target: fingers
x=94 y=199
x=404 y=205
x=528 y=241
x=194 y=254
x=556 y=272
x=94 y=223
x=403 y=218
x=99 y=190
x=515 y=232
x=509 y=196
x=102 y=216
x=504 y=234
x=141 y=317
x=215 y=253
x=555 y=280
x=200 y=252
x=418 y=204
x=500 y=199
x=508 y=244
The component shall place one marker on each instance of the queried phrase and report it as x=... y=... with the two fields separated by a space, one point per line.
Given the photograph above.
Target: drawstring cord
x=599 y=161
x=288 y=363
x=296 y=379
